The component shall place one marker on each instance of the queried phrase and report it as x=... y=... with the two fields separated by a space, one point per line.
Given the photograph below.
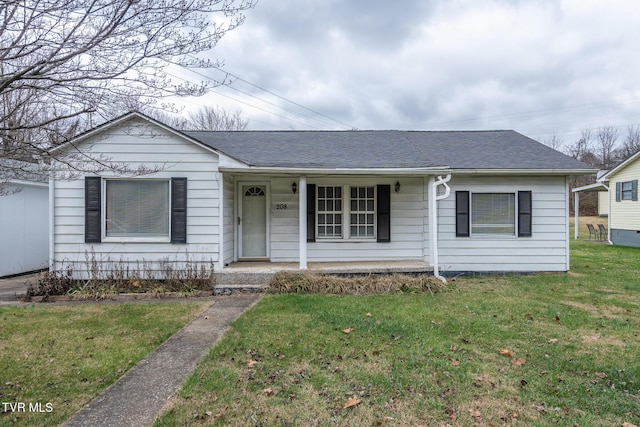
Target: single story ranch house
x=456 y=201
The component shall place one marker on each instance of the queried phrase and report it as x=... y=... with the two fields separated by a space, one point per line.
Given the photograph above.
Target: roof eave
x=618 y=168
x=336 y=171
x=548 y=172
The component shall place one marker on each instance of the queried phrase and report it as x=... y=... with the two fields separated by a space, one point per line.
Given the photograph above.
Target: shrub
x=302 y=283
x=107 y=277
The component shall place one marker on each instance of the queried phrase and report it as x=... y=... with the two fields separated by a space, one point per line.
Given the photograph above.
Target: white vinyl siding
x=408 y=208
x=625 y=215
x=545 y=250
x=135 y=143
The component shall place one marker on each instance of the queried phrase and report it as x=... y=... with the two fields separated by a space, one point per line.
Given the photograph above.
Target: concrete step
x=239 y=288
x=243 y=278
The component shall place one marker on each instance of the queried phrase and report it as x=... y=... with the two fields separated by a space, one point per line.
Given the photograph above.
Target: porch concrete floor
x=346 y=267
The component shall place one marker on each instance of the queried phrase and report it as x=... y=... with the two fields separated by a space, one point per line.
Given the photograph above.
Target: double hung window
x=346 y=212
x=627 y=190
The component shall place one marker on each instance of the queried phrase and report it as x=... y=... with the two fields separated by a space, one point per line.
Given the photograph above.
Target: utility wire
x=244 y=102
x=287 y=100
x=269 y=92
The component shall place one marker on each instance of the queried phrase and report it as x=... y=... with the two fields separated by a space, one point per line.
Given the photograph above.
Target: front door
x=253 y=221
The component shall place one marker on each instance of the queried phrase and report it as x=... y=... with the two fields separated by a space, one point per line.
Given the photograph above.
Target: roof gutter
x=335 y=171
x=433 y=219
x=549 y=172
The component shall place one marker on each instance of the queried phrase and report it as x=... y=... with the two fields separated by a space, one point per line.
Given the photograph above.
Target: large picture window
x=137 y=208
x=493 y=214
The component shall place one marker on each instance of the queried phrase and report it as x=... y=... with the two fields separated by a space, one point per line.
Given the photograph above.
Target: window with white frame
x=626 y=191
x=137 y=208
x=362 y=214
x=493 y=214
x=329 y=211
x=346 y=212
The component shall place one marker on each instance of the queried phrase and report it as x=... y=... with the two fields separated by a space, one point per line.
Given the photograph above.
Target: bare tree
x=581 y=149
x=606 y=139
x=216 y=118
x=631 y=144
x=68 y=59
x=554 y=141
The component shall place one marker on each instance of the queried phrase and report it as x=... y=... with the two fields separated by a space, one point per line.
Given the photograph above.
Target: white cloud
x=535 y=66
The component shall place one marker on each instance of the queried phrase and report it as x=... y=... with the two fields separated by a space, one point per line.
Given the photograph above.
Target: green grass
x=571 y=341
x=62 y=357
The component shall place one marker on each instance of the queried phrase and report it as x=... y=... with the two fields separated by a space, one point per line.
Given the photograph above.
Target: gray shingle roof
x=503 y=149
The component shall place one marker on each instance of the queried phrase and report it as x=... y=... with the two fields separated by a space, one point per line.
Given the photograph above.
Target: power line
x=246 y=103
x=288 y=100
x=271 y=93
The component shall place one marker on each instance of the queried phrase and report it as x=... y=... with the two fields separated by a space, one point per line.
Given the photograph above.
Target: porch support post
x=302 y=219
x=431 y=210
x=576 y=213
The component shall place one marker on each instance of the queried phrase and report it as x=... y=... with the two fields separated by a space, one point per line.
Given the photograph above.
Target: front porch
x=254 y=276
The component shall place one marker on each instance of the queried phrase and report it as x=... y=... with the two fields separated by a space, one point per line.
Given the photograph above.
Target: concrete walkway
x=12 y=289
x=137 y=398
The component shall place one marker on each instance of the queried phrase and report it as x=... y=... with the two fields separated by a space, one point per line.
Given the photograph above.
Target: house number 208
x=281 y=207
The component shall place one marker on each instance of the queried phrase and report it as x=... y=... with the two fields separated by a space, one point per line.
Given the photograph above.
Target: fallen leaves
x=475 y=414
x=251 y=363
x=351 y=402
x=348 y=330
x=505 y=352
x=268 y=391
x=481 y=380
x=518 y=362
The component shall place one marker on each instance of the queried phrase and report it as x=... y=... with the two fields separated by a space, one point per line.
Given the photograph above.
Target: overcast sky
x=537 y=66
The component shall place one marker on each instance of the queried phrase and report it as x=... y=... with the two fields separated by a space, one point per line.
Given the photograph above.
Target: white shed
x=24 y=235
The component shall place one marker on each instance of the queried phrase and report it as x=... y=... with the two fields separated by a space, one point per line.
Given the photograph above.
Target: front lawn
x=547 y=349
x=55 y=359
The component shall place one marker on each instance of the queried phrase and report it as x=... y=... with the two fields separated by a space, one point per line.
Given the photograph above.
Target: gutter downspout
x=433 y=219
x=608 y=215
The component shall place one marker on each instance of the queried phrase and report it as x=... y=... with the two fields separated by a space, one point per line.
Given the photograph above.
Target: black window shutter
x=92 y=209
x=524 y=214
x=178 y=210
x=462 y=214
x=634 y=190
x=311 y=212
x=384 y=213
x=618 y=191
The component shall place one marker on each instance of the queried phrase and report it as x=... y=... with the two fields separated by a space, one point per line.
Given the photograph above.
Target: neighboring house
x=624 y=214
x=483 y=201
x=24 y=225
